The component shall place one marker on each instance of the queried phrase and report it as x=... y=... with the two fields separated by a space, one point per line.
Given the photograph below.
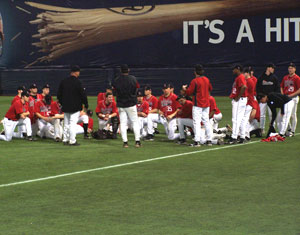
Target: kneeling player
x=17 y=115
x=85 y=124
x=143 y=110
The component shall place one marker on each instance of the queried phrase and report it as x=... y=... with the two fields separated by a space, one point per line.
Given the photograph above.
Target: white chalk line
x=126 y=164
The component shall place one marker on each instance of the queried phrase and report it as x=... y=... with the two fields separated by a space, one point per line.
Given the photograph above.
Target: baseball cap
x=271 y=65
x=181 y=97
x=147 y=88
x=75 y=68
x=46 y=86
x=23 y=88
x=238 y=66
x=199 y=67
x=139 y=94
x=165 y=86
x=25 y=93
x=33 y=86
x=247 y=70
x=124 y=68
x=292 y=65
x=89 y=112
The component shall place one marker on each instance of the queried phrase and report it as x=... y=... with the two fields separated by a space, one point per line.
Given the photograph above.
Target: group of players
x=39 y=115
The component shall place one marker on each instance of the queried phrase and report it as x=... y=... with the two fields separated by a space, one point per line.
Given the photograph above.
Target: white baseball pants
x=201 y=115
x=10 y=126
x=283 y=120
x=295 y=101
x=70 y=123
x=238 y=112
x=214 y=121
x=263 y=108
x=131 y=113
x=184 y=122
x=51 y=129
x=245 y=122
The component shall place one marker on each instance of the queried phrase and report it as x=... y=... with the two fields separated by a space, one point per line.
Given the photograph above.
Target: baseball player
x=184 y=117
x=18 y=96
x=17 y=115
x=200 y=87
x=143 y=110
x=167 y=110
x=254 y=79
x=239 y=102
x=33 y=99
x=291 y=84
x=153 y=102
x=107 y=112
x=250 y=99
x=80 y=129
x=277 y=100
x=57 y=113
x=102 y=95
x=253 y=126
x=215 y=115
x=267 y=83
x=84 y=120
x=45 y=91
x=49 y=127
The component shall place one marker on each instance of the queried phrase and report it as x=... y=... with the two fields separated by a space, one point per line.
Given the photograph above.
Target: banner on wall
x=141 y=33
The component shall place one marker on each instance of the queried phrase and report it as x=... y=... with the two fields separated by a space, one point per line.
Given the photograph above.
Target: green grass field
x=243 y=189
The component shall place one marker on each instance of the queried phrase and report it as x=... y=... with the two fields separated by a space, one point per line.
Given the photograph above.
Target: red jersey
x=250 y=91
x=152 y=101
x=237 y=85
x=213 y=105
x=102 y=96
x=43 y=109
x=254 y=79
x=103 y=108
x=15 y=110
x=186 y=110
x=200 y=88
x=90 y=124
x=15 y=99
x=55 y=108
x=290 y=84
x=256 y=107
x=41 y=97
x=143 y=107
x=168 y=105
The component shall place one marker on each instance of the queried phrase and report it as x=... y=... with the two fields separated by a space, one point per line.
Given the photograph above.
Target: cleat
x=247 y=139
x=57 y=139
x=125 y=145
x=138 y=144
x=208 y=143
x=156 y=131
x=195 y=144
x=242 y=141
x=181 y=141
x=65 y=143
x=75 y=144
x=149 y=138
x=232 y=141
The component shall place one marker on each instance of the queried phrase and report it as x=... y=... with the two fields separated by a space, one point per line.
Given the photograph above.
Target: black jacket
x=125 y=87
x=71 y=95
x=277 y=100
x=267 y=83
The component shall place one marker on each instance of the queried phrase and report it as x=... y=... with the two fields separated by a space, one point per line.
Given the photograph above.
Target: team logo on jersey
x=106 y=110
x=165 y=103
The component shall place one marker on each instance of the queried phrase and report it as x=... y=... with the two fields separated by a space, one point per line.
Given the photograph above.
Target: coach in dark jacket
x=71 y=96
x=125 y=87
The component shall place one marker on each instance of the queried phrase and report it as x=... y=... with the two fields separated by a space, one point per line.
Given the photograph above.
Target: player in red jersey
x=45 y=91
x=215 y=115
x=253 y=127
x=167 y=107
x=80 y=129
x=290 y=86
x=18 y=96
x=153 y=102
x=17 y=115
x=49 y=127
x=33 y=99
x=249 y=106
x=102 y=95
x=239 y=102
x=107 y=111
x=254 y=79
x=143 y=110
x=184 y=116
x=200 y=87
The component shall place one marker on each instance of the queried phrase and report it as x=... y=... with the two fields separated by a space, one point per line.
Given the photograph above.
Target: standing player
x=107 y=111
x=17 y=115
x=267 y=83
x=215 y=115
x=126 y=87
x=200 y=87
x=153 y=102
x=167 y=109
x=143 y=110
x=71 y=96
x=290 y=85
x=239 y=102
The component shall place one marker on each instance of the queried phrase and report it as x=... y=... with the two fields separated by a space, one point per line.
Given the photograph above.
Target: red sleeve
x=159 y=103
x=91 y=123
x=98 y=108
x=98 y=98
x=154 y=103
x=54 y=109
x=18 y=107
x=213 y=105
x=297 y=83
x=37 y=107
x=191 y=88
x=114 y=108
x=210 y=86
x=146 y=107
